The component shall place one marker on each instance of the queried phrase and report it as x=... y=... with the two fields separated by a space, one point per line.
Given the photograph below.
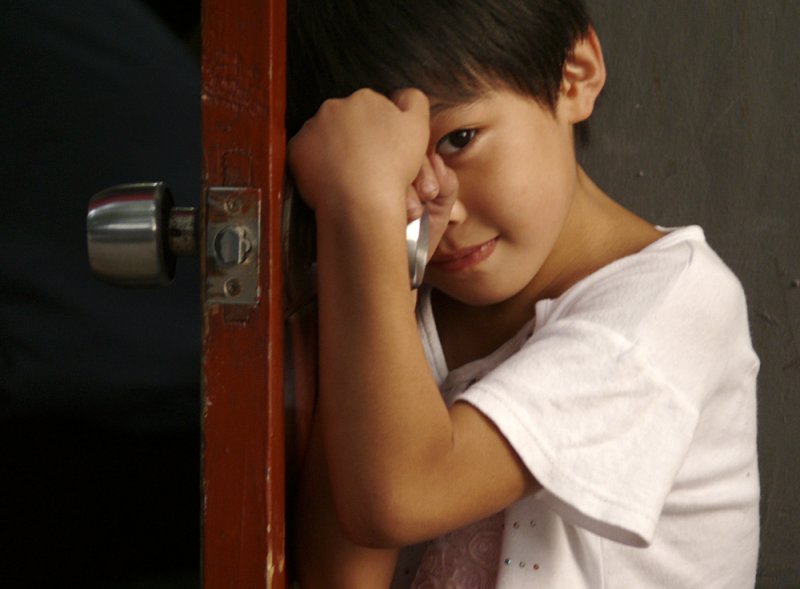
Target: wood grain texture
x=243 y=431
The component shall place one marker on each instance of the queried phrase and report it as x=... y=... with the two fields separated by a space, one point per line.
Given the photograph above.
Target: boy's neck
x=469 y=332
x=598 y=231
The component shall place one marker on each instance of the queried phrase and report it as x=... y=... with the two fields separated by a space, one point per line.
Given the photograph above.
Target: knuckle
x=328 y=106
x=365 y=95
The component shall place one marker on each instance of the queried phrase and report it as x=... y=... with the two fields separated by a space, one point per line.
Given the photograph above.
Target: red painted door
x=243 y=432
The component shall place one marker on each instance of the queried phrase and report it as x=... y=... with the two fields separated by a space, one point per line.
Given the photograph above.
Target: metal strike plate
x=233 y=233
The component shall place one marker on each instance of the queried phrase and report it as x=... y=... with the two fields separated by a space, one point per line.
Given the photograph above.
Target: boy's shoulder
x=675 y=305
x=678 y=274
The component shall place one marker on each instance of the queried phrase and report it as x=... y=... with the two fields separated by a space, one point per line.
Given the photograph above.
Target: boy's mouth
x=463 y=258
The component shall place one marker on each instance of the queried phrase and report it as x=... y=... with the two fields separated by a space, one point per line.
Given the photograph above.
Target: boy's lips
x=463 y=258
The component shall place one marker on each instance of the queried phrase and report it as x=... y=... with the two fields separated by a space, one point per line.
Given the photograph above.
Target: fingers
x=426 y=182
x=425 y=186
x=435 y=187
x=414 y=207
x=448 y=189
x=445 y=205
x=446 y=178
x=424 y=189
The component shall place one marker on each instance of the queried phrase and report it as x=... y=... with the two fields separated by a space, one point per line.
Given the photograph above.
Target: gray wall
x=699 y=124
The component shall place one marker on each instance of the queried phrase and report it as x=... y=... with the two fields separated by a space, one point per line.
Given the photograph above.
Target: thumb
x=441 y=208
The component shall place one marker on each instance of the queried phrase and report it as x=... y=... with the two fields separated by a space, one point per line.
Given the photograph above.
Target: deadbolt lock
x=134 y=235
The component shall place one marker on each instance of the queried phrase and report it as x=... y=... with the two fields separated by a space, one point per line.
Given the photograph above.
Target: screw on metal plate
x=233 y=205
x=233 y=288
x=232 y=251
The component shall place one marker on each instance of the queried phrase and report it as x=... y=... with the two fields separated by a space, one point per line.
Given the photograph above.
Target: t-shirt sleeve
x=601 y=429
x=602 y=402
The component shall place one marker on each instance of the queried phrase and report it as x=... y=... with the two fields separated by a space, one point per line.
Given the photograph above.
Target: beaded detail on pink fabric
x=465 y=559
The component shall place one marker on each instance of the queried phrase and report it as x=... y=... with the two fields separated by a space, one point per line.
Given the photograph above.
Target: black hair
x=453 y=50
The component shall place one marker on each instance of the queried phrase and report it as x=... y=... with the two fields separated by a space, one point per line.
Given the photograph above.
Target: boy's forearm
x=384 y=421
x=324 y=558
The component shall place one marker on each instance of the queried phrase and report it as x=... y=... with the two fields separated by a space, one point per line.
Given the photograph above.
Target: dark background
x=99 y=387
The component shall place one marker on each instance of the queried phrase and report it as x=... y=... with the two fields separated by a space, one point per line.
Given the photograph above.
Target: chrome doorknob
x=134 y=234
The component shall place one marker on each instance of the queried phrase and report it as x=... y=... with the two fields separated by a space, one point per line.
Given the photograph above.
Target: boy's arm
x=325 y=558
x=403 y=467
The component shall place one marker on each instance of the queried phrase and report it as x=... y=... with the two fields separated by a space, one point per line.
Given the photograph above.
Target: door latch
x=134 y=235
x=233 y=231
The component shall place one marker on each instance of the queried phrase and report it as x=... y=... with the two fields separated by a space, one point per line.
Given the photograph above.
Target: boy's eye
x=455 y=141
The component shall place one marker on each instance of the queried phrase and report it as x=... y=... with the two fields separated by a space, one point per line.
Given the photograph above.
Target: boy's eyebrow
x=440 y=106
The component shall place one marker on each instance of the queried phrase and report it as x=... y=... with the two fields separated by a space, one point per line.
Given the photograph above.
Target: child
x=569 y=401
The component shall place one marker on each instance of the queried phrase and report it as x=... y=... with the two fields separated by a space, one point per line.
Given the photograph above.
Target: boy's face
x=517 y=176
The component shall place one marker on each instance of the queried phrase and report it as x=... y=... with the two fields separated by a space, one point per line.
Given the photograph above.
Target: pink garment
x=465 y=559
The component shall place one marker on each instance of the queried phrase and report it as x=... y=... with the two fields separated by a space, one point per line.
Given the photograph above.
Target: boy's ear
x=583 y=79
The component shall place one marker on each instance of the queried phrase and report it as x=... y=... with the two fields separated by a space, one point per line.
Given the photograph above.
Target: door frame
x=243 y=454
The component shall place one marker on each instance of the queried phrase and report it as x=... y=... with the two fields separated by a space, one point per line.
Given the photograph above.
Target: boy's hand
x=435 y=189
x=361 y=153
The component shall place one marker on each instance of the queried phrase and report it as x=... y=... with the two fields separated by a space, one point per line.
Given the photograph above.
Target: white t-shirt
x=631 y=398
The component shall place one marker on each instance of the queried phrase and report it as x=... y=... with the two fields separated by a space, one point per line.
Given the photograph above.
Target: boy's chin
x=472 y=294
